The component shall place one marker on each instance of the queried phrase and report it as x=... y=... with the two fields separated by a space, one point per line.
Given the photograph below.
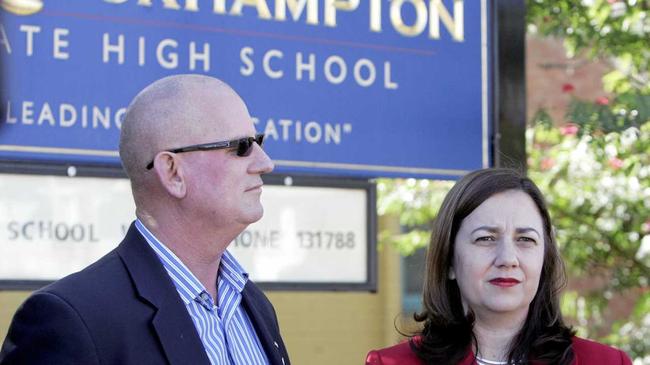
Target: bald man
x=170 y=293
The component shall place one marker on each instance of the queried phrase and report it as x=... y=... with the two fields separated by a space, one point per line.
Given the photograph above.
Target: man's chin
x=253 y=215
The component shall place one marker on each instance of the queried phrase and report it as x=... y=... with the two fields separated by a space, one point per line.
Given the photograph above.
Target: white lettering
x=29 y=34
x=455 y=25
x=331 y=7
x=141 y=51
x=171 y=61
x=8 y=118
x=310 y=66
x=296 y=7
x=343 y=69
x=263 y=11
x=60 y=43
x=266 y=64
x=46 y=114
x=67 y=115
x=270 y=131
x=248 y=67
x=375 y=16
x=398 y=22
x=108 y=48
x=285 y=123
x=28 y=112
x=388 y=83
x=332 y=133
x=335 y=69
x=204 y=57
x=298 y=131
x=4 y=40
x=103 y=118
x=119 y=116
x=372 y=73
x=219 y=6
x=313 y=132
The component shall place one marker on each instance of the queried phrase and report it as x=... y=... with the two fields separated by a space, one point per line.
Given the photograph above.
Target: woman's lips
x=504 y=282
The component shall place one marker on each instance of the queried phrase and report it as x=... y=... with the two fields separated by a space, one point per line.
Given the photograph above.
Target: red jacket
x=586 y=353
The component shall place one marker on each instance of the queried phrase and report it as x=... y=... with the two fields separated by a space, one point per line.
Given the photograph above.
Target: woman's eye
x=485 y=239
x=527 y=239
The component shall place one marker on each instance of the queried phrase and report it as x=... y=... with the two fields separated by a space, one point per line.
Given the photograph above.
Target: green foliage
x=604 y=115
x=634 y=333
x=595 y=171
x=597 y=185
x=598 y=188
x=416 y=203
x=616 y=31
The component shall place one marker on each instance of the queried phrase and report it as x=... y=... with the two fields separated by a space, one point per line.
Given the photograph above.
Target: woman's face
x=499 y=253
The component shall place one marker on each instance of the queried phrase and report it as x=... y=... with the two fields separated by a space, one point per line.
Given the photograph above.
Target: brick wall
x=548 y=69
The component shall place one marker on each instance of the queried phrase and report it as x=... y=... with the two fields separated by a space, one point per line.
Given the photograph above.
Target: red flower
x=569 y=129
x=612 y=1
x=615 y=163
x=567 y=88
x=547 y=163
x=602 y=100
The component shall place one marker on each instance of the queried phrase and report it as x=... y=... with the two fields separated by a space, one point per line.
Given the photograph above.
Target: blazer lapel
x=171 y=322
x=265 y=325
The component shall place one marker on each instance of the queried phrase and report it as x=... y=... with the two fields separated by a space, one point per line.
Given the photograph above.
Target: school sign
x=360 y=88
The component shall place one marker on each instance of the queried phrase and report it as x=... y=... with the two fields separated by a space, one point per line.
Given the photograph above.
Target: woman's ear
x=170 y=174
x=451 y=274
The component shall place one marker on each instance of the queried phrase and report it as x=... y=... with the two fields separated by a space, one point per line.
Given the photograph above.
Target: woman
x=493 y=277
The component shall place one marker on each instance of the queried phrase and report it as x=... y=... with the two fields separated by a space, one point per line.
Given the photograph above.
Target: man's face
x=224 y=189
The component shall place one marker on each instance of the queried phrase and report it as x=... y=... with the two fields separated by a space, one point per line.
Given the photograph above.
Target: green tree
x=595 y=171
x=615 y=31
x=598 y=190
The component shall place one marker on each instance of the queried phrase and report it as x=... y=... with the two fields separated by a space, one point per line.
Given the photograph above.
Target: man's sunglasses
x=243 y=145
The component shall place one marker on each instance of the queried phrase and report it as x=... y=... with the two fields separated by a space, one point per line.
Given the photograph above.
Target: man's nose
x=262 y=163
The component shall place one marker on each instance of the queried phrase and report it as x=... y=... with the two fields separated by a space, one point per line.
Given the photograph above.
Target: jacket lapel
x=171 y=322
x=260 y=313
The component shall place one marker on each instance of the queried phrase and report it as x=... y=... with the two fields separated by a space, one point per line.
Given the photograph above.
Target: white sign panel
x=51 y=226
x=307 y=234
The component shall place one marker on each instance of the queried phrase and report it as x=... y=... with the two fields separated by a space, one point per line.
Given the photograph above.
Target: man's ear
x=170 y=174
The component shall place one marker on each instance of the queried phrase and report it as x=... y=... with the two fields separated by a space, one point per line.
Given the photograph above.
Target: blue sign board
x=340 y=87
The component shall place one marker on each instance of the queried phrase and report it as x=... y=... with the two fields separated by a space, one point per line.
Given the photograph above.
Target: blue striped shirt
x=227 y=333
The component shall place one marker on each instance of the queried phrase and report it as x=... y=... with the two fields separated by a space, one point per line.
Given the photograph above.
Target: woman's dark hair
x=447 y=334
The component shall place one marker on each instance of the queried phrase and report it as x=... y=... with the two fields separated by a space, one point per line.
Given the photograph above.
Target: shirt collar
x=188 y=286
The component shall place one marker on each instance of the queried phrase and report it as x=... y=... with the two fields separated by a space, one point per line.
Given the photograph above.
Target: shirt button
x=205 y=299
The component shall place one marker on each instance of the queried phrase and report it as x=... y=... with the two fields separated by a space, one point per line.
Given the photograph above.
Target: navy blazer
x=123 y=309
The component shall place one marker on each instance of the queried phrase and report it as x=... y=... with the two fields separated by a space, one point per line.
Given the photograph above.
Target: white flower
x=634 y=188
x=607 y=182
x=610 y=150
x=644 y=248
x=606 y=224
x=629 y=136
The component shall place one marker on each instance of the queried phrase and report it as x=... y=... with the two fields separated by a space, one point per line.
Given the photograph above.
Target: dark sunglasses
x=243 y=145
